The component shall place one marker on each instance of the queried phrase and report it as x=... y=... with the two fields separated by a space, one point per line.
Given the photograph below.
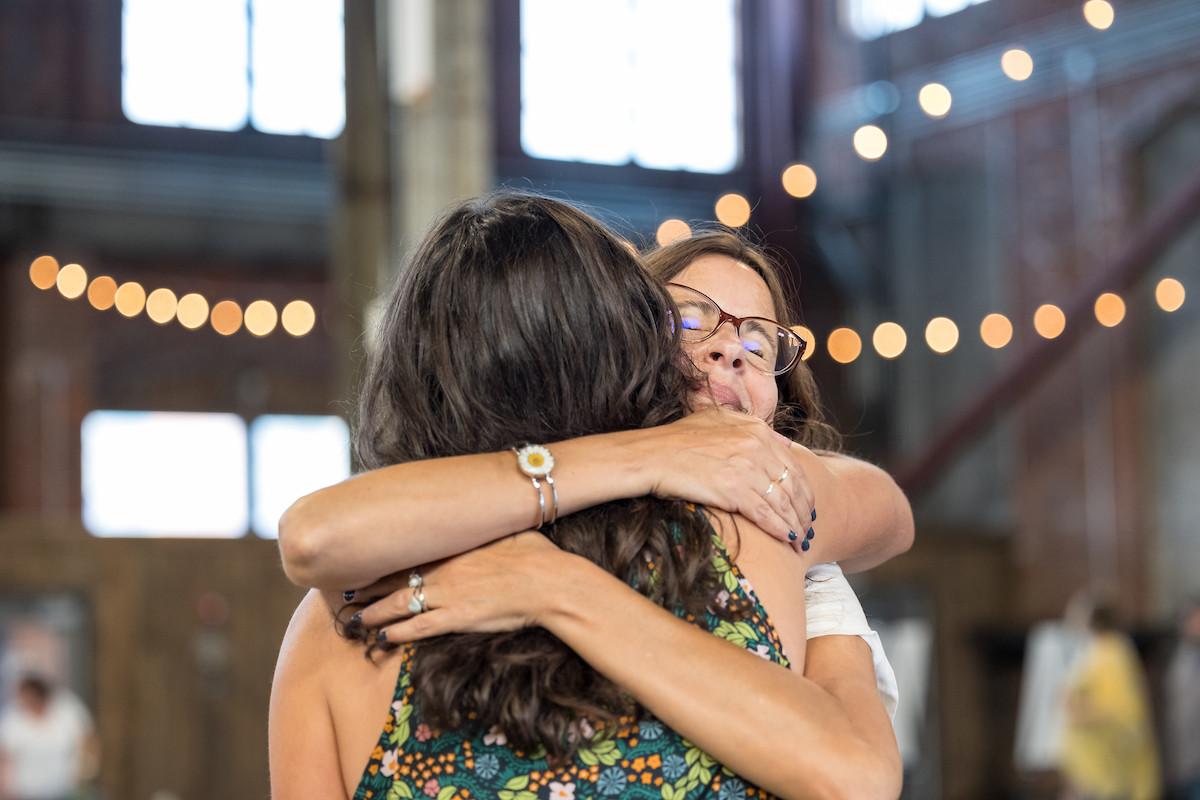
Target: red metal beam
x=1156 y=234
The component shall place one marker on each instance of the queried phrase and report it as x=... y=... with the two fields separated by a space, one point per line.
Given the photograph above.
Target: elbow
x=906 y=530
x=300 y=544
x=875 y=777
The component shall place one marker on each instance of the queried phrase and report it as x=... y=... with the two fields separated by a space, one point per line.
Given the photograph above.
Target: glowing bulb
x=843 y=345
x=941 y=334
x=810 y=341
x=889 y=339
x=192 y=311
x=996 y=331
x=1110 y=309
x=934 y=99
x=1017 y=64
x=226 y=317
x=72 y=281
x=1169 y=294
x=733 y=210
x=1099 y=14
x=1049 y=321
x=261 y=317
x=799 y=180
x=130 y=299
x=672 y=230
x=298 y=318
x=161 y=305
x=870 y=143
x=102 y=293
x=44 y=271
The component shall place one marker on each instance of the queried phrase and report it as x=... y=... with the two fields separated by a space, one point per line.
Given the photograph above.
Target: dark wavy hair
x=520 y=319
x=799 y=415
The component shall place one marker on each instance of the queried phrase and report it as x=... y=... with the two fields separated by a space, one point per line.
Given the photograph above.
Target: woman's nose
x=726 y=345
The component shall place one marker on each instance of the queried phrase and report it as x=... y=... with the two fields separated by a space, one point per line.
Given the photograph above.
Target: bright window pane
x=293 y=456
x=150 y=473
x=218 y=64
x=185 y=63
x=297 y=67
x=652 y=82
x=870 y=19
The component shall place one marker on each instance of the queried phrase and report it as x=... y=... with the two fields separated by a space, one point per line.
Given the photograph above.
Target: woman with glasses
x=747 y=712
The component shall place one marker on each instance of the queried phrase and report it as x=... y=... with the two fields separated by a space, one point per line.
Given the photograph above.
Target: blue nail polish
x=804 y=545
x=811 y=533
x=381 y=636
x=356 y=619
x=792 y=536
x=348 y=596
x=814 y=515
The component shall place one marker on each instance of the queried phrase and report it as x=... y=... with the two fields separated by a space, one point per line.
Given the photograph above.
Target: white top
x=832 y=609
x=43 y=751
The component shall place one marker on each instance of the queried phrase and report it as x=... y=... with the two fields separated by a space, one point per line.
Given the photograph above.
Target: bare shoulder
x=776 y=573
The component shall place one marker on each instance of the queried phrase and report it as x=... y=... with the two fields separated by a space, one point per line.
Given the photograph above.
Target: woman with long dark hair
x=519 y=320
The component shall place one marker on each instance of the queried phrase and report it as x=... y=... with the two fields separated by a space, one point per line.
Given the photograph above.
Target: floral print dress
x=644 y=759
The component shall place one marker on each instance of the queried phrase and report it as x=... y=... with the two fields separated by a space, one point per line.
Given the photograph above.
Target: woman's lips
x=726 y=396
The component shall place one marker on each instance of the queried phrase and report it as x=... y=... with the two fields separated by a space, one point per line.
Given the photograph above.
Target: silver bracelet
x=536 y=462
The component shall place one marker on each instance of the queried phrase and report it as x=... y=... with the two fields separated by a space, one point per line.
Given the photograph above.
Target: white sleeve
x=832 y=609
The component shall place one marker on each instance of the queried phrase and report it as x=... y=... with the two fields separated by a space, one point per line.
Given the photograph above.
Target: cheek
x=764 y=395
x=695 y=351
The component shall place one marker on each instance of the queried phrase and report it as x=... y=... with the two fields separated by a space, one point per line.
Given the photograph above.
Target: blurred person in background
x=1108 y=749
x=1182 y=704
x=48 y=746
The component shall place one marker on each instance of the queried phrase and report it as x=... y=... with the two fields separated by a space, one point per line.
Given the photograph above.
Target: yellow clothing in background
x=1108 y=747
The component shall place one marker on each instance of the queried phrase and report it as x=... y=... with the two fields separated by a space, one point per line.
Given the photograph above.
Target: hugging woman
x=585 y=662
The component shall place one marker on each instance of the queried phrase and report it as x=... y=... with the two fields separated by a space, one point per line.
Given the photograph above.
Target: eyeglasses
x=770 y=347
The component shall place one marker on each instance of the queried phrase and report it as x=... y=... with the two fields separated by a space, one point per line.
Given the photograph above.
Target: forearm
x=669 y=665
x=351 y=534
x=864 y=518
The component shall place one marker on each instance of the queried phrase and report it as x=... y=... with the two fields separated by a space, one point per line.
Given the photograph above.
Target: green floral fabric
x=644 y=759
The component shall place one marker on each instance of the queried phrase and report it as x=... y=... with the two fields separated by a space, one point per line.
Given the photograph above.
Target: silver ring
x=770 y=489
x=417 y=604
x=415 y=581
x=783 y=477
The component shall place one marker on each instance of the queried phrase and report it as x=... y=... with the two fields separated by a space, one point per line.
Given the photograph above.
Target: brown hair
x=799 y=415
x=521 y=319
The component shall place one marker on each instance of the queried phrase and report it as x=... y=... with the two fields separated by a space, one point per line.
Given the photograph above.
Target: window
x=870 y=19
x=276 y=65
x=169 y=474
x=649 y=82
x=291 y=457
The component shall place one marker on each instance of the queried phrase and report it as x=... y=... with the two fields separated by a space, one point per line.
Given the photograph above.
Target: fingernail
x=804 y=545
x=814 y=515
x=811 y=533
x=348 y=596
x=381 y=636
x=356 y=619
x=792 y=536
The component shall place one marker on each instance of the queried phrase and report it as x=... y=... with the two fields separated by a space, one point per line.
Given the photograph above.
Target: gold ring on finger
x=783 y=477
x=770 y=489
x=417 y=604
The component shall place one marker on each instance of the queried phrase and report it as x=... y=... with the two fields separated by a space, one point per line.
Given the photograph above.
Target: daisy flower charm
x=535 y=460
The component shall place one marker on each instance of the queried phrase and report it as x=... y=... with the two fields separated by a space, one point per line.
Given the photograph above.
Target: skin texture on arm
x=351 y=534
x=864 y=518
x=669 y=664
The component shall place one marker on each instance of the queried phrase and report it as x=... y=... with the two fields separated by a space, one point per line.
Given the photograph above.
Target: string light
x=996 y=331
x=889 y=339
x=72 y=281
x=941 y=334
x=870 y=142
x=1049 y=321
x=810 y=341
x=1110 y=310
x=1169 y=294
x=1099 y=14
x=799 y=180
x=843 y=345
x=161 y=305
x=935 y=100
x=733 y=210
x=672 y=230
x=1017 y=64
